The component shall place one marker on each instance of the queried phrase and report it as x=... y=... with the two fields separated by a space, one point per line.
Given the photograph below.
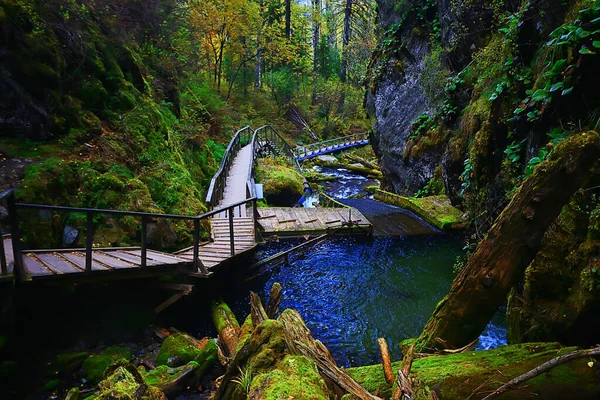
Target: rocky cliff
x=467 y=98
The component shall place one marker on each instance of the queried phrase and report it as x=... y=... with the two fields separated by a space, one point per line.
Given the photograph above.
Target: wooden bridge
x=235 y=226
x=331 y=146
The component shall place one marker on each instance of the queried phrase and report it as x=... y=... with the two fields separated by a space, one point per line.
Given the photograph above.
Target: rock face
x=393 y=103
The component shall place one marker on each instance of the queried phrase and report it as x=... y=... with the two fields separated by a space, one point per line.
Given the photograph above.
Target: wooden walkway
x=331 y=146
x=300 y=222
x=234 y=223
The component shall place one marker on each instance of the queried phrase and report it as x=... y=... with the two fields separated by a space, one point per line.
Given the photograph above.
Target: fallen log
x=300 y=341
x=227 y=326
x=510 y=245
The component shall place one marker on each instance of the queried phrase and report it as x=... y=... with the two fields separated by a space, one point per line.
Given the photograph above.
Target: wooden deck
x=44 y=264
x=298 y=222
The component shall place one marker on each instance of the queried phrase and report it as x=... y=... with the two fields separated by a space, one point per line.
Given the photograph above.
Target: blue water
x=353 y=290
x=350 y=291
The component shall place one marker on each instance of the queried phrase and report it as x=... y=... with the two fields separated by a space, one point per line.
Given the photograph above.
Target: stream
x=352 y=290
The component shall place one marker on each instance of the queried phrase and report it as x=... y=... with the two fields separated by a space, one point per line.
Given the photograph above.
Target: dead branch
x=274 y=300
x=404 y=386
x=386 y=362
x=540 y=369
x=257 y=311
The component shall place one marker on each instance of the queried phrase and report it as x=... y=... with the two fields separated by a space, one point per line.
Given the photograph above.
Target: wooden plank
x=35 y=267
x=79 y=260
x=57 y=264
x=131 y=258
x=162 y=258
x=112 y=262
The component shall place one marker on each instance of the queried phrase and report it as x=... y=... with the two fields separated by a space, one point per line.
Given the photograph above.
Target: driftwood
x=510 y=245
x=257 y=311
x=386 y=361
x=274 y=300
x=300 y=341
x=540 y=369
x=404 y=386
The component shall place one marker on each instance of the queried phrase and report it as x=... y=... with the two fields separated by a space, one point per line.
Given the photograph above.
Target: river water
x=352 y=290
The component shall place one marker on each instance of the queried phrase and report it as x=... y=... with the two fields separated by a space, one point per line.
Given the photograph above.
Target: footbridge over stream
x=236 y=224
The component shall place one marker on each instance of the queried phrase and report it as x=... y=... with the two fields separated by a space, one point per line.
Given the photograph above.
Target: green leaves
x=557 y=86
x=540 y=95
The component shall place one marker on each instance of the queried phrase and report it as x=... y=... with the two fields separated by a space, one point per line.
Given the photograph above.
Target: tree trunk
x=288 y=20
x=510 y=245
x=227 y=326
x=316 y=20
x=258 y=66
x=345 y=41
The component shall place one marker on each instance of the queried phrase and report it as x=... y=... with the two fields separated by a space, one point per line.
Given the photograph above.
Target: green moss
x=163 y=374
x=294 y=377
x=436 y=210
x=282 y=184
x=223 y=316
x=450 y=374
x=124 y=382
x=177 y=350
x=245 y=332
x=94 y=365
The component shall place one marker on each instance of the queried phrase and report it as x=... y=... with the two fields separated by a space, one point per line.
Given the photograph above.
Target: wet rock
x=327 y=158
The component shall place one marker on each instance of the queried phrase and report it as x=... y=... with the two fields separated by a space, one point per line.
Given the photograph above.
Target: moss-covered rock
x=294 y=377
x=178 y=350
x=282 y=183
x=437 y=210
x=457 y=376
x=123 y=382
x=95 y=365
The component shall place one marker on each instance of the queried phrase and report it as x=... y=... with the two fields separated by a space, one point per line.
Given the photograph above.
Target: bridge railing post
x=13 y=222
x=231 y=233
x=3 y=264
x=198 y=265
x=144 y=241
x=89 y=241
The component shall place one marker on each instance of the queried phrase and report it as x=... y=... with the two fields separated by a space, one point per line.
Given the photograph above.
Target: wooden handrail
x=91 y=212
x=217 y=183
